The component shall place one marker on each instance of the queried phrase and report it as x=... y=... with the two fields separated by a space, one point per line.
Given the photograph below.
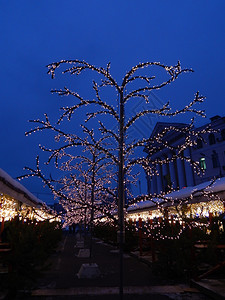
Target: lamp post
x=121 y=190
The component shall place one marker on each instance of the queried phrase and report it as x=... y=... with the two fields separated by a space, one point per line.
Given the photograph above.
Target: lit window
x=202 y=163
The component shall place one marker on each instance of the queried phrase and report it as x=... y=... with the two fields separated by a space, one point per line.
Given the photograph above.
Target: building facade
x=209 y=152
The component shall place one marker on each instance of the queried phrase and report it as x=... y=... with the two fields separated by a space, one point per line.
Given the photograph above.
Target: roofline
x=18 y=190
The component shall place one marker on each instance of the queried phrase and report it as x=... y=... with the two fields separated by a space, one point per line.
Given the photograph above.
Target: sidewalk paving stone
x=61 y=280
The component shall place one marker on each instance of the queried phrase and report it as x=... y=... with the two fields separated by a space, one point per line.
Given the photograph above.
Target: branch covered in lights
x=113 y=144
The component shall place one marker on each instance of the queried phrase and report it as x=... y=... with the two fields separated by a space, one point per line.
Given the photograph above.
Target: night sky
x=126 y=32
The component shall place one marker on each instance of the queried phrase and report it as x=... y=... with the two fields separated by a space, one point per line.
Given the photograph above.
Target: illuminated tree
x=92 y=184
x=134 y=86
x=86 y=180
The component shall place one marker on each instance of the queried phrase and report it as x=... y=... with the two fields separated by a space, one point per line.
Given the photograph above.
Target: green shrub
x=31 y=244
x=106 y=231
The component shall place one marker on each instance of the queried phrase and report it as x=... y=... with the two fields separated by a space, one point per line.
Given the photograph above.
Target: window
x=223 y=134
x=215 y=160
x=199 y=143
x=212 y=139
x=202 y=163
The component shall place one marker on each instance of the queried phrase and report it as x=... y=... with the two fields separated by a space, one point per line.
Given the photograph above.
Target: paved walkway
x=61 y=280
x=212 y=287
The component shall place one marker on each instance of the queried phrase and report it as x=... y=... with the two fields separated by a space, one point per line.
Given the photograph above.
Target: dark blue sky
x=35 y=33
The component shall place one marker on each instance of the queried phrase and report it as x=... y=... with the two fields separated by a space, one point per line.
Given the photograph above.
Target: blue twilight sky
x=125 y=32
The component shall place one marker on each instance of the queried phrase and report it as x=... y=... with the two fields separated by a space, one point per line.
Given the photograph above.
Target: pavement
x=215 y=288
x=62 y=280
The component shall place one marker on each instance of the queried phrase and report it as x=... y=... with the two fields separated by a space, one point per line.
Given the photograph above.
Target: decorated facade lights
x=11 y=208
x=8 y=208
x=210 y=205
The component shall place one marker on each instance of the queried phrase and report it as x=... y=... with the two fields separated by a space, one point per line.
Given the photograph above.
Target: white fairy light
x=122 y=155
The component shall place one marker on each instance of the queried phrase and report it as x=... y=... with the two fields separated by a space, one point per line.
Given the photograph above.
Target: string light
x=122 y=155
x=11 y=208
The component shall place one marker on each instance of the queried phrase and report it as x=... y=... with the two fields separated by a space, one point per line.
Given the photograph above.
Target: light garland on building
x=11 y=208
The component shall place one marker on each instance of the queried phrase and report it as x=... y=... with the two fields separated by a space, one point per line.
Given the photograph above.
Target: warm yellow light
x=10 y=208
x=202 y=209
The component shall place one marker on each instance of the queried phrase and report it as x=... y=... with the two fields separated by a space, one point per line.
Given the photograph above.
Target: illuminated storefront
x=198 y=201
x=16 y=200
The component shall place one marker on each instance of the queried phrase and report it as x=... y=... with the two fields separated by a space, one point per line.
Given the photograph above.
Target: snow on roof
x=211 y=187
x=16 y=190
x=217 y=186
x=144 y=204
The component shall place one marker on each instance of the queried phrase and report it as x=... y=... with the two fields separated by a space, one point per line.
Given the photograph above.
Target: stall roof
x=16 y=190
x=189 y=192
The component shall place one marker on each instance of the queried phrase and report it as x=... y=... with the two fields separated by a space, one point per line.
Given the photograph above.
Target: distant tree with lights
x=134 y=86
x=91 y=184
x=86 y=180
